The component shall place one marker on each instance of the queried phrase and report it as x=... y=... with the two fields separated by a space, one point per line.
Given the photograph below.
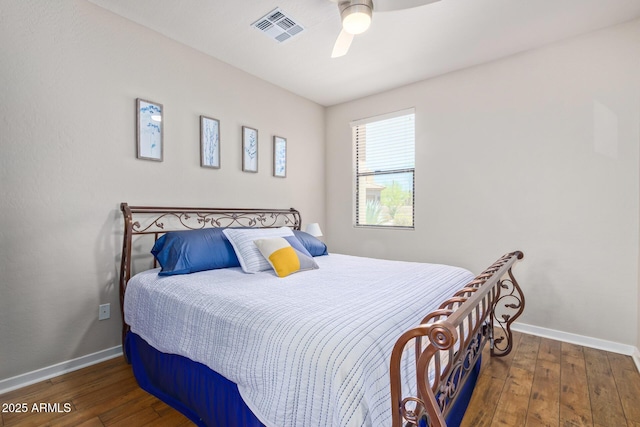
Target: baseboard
x=582 y=340
x=43 y=374
x=636 y=358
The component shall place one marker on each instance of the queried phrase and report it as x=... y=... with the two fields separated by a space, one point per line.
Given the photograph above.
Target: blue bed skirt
x=209 y=399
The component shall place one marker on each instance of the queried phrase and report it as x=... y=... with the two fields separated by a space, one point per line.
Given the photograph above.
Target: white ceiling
x=401 y=47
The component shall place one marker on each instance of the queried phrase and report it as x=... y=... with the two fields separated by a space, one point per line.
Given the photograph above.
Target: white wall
x=537 y=152
x=507 y=157
x=69 y=76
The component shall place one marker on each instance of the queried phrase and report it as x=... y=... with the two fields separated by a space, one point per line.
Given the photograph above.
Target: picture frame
x=279 y=157
x=249 y=149
x=209 y=142
x=150 y=130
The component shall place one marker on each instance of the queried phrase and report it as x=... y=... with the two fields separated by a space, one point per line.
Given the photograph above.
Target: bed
x=346 y=341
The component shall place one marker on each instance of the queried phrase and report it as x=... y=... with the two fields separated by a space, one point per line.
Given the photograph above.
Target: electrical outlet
x=104 y=311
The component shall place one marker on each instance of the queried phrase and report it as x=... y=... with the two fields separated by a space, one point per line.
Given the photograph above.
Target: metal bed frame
x=447 y=343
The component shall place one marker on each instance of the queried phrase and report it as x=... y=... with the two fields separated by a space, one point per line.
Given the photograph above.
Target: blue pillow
x=313 y=245
x=297 y=244
x=188 y=251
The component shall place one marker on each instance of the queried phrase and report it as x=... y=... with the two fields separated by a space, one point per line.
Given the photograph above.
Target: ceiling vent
x=278 y=25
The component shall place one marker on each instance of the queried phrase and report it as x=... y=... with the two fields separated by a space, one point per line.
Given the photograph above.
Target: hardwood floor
x=551 y=383
x=101 y=395
x=541 y=383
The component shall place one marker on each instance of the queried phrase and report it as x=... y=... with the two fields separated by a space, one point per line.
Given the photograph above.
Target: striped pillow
x=250 y=258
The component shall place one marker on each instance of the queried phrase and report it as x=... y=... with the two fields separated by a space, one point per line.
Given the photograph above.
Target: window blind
x=385 y=170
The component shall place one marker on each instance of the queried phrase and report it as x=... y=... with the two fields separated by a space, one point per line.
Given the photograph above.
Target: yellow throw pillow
x=284 y=259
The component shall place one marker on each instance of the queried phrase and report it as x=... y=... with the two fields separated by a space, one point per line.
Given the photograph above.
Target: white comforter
x=311 y=349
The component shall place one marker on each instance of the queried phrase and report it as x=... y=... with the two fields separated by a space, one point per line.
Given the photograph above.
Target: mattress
x=310 y=349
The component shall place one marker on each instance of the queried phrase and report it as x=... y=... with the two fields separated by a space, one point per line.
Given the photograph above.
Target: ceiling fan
x=356 y=18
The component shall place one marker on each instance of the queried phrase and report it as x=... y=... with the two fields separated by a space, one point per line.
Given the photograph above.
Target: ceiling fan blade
x=389 y=5
x=343 y=42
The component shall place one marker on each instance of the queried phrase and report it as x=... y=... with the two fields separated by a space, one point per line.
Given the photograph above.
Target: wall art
x=279 y=156
x=209 y=142
x=249 y=149
x=150 y=130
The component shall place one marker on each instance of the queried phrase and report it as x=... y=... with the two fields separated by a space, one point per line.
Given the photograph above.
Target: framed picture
x=279 y=156
x=150 y=131
x=209 y=142
x=249 y=149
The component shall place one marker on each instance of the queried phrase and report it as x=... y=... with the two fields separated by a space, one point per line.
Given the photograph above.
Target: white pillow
x=251 y=260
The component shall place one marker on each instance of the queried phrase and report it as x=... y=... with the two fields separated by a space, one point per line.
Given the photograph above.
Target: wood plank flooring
x=541 y=383
x=101 y=395
x=550 y=383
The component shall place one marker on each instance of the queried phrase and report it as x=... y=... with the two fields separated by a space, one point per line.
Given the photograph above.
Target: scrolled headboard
x=152 y=220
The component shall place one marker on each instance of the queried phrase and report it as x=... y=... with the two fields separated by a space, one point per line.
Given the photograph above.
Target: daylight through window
x=385 y=170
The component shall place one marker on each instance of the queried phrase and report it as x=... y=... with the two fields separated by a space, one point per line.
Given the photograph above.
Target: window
x=385 y=170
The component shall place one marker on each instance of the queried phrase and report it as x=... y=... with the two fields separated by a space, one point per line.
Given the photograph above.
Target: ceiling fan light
x=356 y=18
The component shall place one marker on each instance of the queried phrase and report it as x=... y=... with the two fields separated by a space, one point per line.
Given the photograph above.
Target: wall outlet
x=104 y=311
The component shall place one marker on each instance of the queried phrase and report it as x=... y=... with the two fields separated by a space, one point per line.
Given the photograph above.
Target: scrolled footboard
x=449 y=341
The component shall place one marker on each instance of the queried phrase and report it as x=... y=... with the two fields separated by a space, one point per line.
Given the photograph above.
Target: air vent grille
x=278 y=25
